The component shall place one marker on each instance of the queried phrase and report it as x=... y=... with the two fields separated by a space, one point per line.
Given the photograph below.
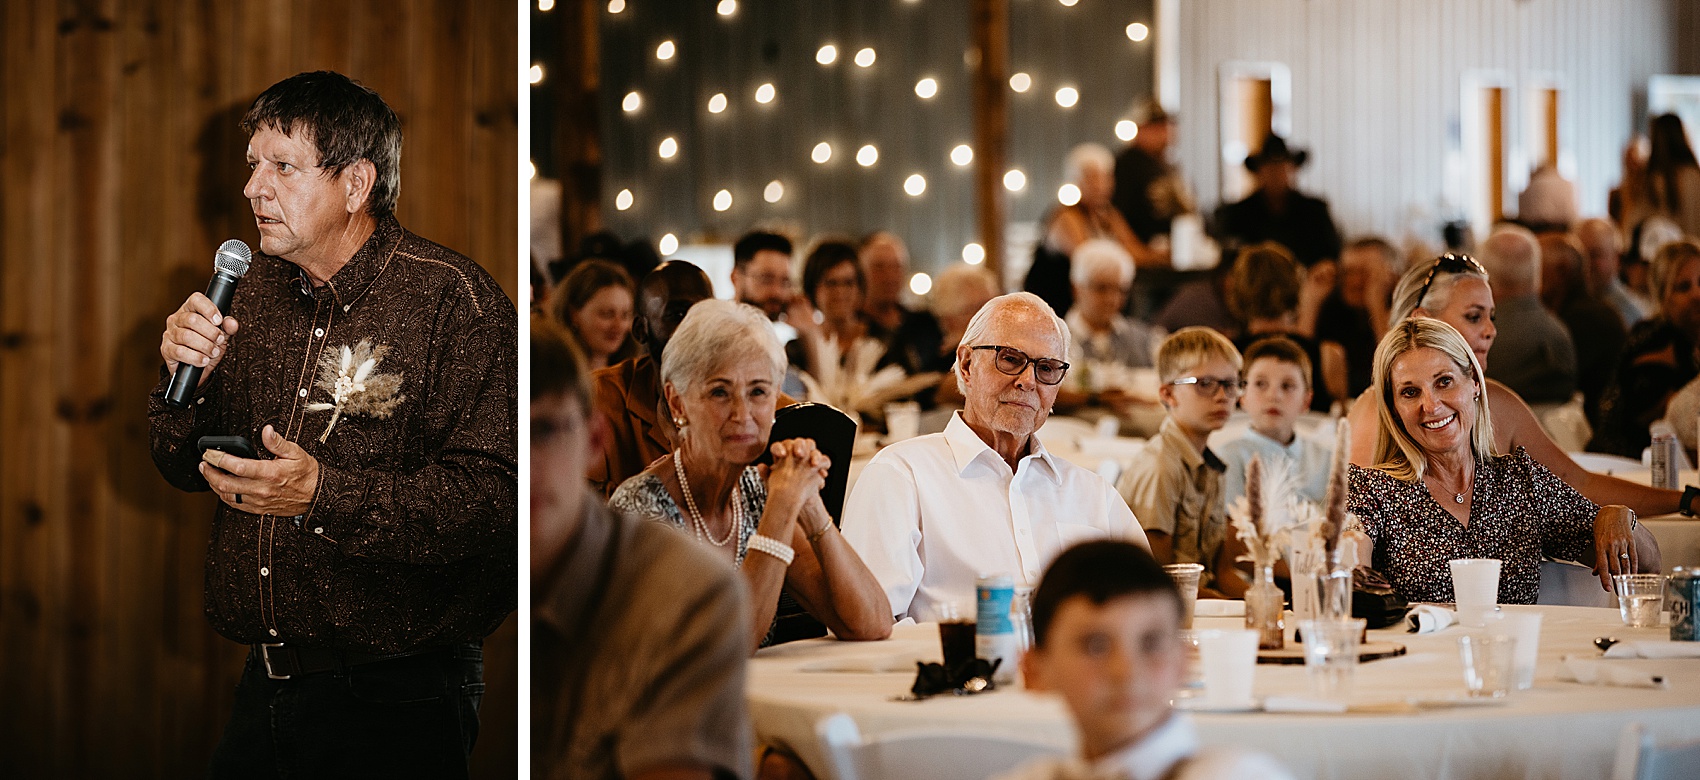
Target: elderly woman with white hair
x=1103 y=343
x=1454 y=289
x=1438 y=492
x=720 y=374
x=1091 y=168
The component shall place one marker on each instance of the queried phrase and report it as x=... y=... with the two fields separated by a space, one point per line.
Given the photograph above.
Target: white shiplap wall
x=1376 y=89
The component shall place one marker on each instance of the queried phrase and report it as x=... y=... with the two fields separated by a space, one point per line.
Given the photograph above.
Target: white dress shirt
x=1307 y=461
x=1155 y=756
x=932 y=514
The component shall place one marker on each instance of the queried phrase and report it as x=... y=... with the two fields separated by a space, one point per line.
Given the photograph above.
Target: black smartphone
x=235 y=445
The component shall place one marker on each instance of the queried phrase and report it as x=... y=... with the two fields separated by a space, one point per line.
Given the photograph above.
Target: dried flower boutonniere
x=354 y=386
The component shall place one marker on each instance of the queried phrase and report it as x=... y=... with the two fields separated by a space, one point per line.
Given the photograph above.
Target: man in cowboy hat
x=1150 y=192
x=1277 y=212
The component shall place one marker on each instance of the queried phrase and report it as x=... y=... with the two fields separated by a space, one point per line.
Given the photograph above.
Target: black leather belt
x=285 y=661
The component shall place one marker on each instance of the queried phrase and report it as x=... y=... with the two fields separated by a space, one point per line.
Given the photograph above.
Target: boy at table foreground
x=1174 y=485
x=1106 y=628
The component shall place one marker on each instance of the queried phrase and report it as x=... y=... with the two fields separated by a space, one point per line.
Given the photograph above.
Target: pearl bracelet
x=773 y=547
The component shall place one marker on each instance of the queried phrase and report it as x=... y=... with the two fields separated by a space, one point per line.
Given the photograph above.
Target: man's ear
x=357 y=183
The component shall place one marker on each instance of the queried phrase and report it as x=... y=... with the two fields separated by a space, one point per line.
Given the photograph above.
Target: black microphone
x=229 y=265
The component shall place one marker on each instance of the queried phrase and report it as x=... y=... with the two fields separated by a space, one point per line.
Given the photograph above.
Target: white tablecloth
x=1557 y=730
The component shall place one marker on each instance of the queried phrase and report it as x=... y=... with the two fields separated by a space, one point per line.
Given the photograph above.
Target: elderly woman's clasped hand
x=1614 y=543
x=795 y=479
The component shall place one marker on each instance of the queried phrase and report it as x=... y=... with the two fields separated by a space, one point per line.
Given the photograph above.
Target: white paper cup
x=1475 y=588
x=902 y=420
x=1229 y=661
x=1525 y=629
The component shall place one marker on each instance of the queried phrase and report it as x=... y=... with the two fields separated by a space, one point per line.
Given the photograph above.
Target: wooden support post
x=991 y=124
x=578 y=129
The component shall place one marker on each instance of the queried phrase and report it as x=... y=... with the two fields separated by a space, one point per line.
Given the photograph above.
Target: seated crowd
x=653 y=401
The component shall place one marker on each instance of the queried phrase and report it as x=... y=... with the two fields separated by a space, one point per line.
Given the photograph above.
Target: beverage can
x=1684 y=589
x=995 y=636
x=1665 y=460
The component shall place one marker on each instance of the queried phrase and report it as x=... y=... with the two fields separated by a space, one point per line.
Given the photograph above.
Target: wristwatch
x=1689 y=493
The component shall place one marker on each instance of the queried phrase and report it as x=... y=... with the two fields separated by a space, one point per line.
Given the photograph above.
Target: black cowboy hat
x=1274 y=150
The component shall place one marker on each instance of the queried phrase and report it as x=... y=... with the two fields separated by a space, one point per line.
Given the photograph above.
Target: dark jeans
x=412 y=717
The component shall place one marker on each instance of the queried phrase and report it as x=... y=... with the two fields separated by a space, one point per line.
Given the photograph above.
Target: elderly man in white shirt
x=932 y=514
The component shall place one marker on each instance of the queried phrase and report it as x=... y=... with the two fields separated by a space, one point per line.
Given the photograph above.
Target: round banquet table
x=1556 y=730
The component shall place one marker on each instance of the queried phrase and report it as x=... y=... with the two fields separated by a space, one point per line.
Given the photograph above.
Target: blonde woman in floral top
x=1438 y=493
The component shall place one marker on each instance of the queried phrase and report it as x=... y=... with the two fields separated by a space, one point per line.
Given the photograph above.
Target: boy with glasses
x=1174 y=485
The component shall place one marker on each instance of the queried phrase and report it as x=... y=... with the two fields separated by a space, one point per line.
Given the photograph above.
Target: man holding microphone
x=370 y=547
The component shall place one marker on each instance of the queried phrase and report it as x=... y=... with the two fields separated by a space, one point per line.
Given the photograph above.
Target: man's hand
x=283 y=486
x=196 y=334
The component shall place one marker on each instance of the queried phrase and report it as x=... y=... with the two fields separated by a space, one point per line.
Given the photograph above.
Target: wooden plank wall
x=1376 y=88
x=121 y=167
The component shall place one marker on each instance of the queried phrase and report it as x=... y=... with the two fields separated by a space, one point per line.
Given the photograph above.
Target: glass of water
x=1331 y=653
x=1640 y=597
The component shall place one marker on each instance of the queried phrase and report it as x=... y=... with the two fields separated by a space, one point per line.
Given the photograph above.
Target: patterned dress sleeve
x=1362 y=499
x=644 y=497
x=1565 y=517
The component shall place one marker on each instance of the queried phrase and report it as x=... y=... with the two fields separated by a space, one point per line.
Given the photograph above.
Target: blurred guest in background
x=1355 y=314
x=1549 y=202
x=1533 y=354
x=1658 y=359
x=1454 y=289
x=595 y=303
x=1604 y=250
x=721 y=374
x=913 y=335
x=958 y=294
x=1103 y=342
x=1438 y=492
x=1267 y=290
x=932 y=514
x=1595 y=329
x=1091 y=169
x=1149 y=190
x=761 y=272
x=833 y=284
x=1276 y=211
x=628 y=394
x=622 y=611
x=1667 y=183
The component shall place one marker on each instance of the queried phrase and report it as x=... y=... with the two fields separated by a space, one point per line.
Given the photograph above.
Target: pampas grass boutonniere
x=350 y=377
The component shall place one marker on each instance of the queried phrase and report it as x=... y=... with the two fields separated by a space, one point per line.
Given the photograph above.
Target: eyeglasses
x=1452 y=263
x=1013 y=361
x=1207 y=387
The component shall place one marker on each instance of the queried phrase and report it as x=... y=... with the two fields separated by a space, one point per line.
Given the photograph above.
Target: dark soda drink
x=956 y=637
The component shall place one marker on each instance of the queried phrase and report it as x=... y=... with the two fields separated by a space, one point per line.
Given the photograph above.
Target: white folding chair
x=1639 y=759
x=1566 y=423
x=934 y=755
x=1572 y=584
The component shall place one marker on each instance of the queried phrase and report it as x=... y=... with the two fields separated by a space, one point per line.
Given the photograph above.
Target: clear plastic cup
x=1186 y=577
x=1640 y=598
x=1331 y=653
x=1488 y=660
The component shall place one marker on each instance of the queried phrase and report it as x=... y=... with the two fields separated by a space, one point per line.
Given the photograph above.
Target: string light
x=1020 y=82
x=616 y=6
x=1137 y=32
x=867 y=156
x=773 y=192
x=973 y=253
x=717 y=103
x=1067 y=97
x=865 y=57
x=764 y=94
x=1068 y=3
x=545 y=5
x=632 y=103
x=722 y=200
x=1068 y=195
x=962 y=155
x=827 y=55
x=1127 y=130
x=822 y=152
x=920 y=284
x=533 y=166
x=623 y=200
x=665 y=50
x=726 y=7
x=668 y=244
x=536 y=74
x=915 y=185
x=669 y=147
x=1014 y=180
x=927 y=87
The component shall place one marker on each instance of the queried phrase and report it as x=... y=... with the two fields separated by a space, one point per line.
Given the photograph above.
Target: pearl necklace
x=696 y=515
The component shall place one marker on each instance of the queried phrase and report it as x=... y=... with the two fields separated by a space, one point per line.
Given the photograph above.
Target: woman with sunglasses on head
x=720 y=374
x=1454 y=289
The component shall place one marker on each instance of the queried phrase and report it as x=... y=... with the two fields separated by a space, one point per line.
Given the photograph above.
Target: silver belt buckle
x=265 y=657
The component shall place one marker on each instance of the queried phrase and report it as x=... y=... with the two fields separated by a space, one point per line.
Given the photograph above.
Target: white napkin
x=1597 y=672
x=863 y=664
x=1654 y=648
x=1428 y=618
